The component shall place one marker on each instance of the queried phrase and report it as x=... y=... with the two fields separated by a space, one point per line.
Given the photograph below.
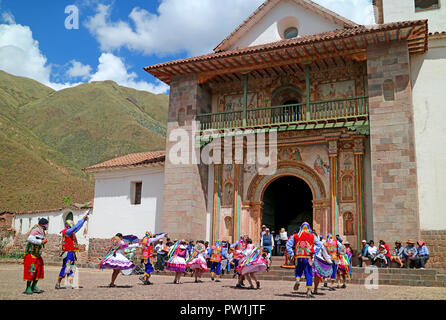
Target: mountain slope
x=47 y=137
x=97 y=121
x=17 y=91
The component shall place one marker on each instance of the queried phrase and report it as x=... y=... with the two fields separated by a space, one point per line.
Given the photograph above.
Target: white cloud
x=180 y=25
x=20 y=55
x=79 y=70
x=194 y=26
x=113 y=68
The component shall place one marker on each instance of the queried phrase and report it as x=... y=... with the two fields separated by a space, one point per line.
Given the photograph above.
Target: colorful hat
x=69 y=224
x=305 y=228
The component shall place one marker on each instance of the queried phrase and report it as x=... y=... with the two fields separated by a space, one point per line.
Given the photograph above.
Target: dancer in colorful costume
x=115 y=258
x=238 y=247
x=69 y=248
x=322 y=265
x=147 y=254
x=333 y=247
x=177 y=259
x=216 y=252
x=32 y=261
x=197 y=261
x=301 y=246
x=251 y=263
x=344 y=264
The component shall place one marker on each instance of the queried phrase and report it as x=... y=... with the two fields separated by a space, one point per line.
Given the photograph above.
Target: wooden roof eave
x=210 y=66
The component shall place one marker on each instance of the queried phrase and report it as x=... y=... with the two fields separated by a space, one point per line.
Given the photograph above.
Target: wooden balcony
x=330 y=113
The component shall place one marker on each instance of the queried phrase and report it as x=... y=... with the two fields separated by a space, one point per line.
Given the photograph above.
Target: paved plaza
x=94 y=286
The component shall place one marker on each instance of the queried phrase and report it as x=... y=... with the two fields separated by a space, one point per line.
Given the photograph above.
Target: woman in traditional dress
x=322 y=265
x=115 y=258
x=251 y=263
x=197 y=261
x=344 y=264
x=177 y=260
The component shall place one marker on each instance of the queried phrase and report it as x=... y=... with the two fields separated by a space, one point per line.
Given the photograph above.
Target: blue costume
x=301 y=245
x=69 y=247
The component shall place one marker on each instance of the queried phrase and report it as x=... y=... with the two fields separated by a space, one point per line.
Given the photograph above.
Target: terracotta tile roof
x=264 y=8
x=134 y=159
x=304 y=40
x=74 y=206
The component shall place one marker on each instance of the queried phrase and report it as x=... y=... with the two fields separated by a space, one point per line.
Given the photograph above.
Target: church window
x=136 y=191
x=69 y=216
x=426 y=4
x=290 y=33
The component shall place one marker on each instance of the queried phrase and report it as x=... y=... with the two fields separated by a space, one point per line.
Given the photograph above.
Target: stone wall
x=97 y=249
x=185 y=184
x=436 y=243
x=394 y=173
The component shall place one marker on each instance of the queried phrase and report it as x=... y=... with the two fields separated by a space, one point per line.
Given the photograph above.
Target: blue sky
x=116 y=39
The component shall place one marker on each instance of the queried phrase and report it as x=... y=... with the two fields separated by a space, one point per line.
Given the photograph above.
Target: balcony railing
x=291 y=114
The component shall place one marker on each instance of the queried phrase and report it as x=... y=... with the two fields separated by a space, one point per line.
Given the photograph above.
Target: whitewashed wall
x=428 y=73
x=113 y=211
x=402 y=10
x=56 y=222
x=267 y=30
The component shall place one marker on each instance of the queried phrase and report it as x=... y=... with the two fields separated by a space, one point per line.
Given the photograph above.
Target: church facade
x=352 y=120
x=339 y=99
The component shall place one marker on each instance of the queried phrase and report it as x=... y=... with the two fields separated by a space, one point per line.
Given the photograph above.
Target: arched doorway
x=287 y=203
x=321 y=217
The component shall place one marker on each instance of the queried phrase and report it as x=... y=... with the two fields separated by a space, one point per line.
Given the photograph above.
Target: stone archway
x=286 y=93
x=321 y=204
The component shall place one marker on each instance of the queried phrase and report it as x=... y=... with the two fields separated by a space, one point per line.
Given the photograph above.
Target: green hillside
x=17 y=91
x=97 y=121
x=47 y=137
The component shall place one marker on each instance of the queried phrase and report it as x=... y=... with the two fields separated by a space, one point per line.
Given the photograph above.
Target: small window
x=69 y=216
x=290 y=33
x=136 y=192
x=426 y=4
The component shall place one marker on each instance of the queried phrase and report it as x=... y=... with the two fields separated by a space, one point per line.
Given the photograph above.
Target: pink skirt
x=259 y=265
x=198 y=263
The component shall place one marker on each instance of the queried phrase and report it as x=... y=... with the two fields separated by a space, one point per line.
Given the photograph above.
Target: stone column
x=185 y=184
x=333 y=156
x=394 y=170
x=256 y=223
x=359 y=184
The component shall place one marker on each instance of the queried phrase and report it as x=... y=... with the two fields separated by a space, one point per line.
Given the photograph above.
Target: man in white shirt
x=372 y=250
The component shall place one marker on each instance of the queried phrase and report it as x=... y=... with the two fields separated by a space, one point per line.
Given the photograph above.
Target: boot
x=34 y=287
x=28 y=288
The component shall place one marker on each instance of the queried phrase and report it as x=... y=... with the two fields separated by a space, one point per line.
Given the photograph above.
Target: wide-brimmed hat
x=364 y=241
x=420 y=243
x=398 y=241
x=346 y=242
x=410 y=242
